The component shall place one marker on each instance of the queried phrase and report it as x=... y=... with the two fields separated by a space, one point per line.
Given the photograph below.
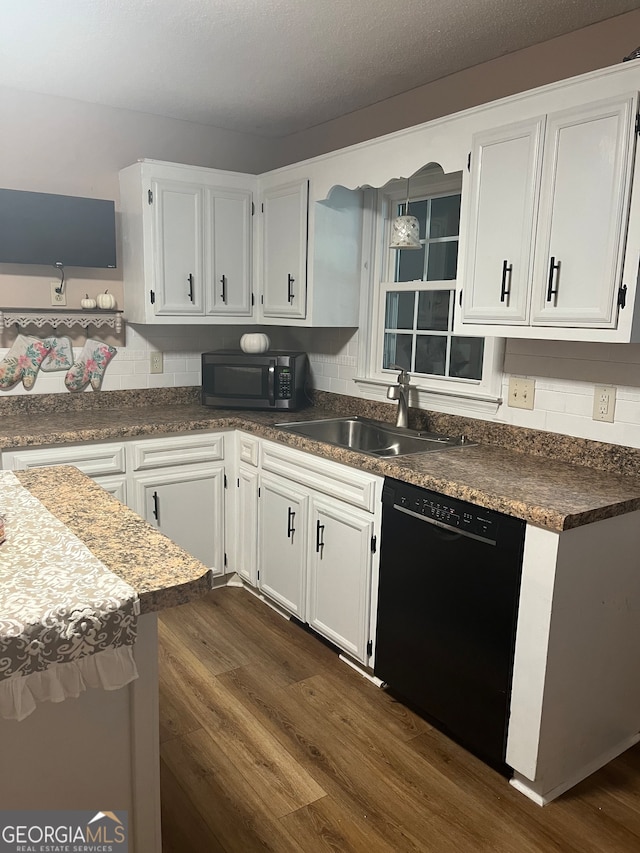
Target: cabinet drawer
x=176 y=450
x=248 y=448
x=92 y=459
x=331 y=478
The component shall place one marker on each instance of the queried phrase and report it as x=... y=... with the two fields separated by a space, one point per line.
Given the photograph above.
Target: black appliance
x=448 y=601
x=236 y=380
x=68 y=231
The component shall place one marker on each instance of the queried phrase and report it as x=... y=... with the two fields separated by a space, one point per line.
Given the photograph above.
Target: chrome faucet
x=400 y=392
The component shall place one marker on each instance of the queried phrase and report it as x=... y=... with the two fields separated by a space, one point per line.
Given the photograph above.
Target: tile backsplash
x=565 y=373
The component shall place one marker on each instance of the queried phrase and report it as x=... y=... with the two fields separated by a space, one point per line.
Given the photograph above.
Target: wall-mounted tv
x=41 y=228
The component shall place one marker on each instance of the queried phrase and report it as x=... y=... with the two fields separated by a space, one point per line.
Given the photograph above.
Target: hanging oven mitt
x=22 y=362
x=60 y=355
x=90 y=366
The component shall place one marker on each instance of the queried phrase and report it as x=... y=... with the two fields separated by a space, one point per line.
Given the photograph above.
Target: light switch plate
x=521 y=393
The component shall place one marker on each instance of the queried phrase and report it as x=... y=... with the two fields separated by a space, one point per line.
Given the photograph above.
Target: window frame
x=446 y=393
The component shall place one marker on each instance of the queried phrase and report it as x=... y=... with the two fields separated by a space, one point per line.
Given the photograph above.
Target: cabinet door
x=229 y=252
x=505 y=178
x=187 y=505
x=340 y=575
x=247 y=524
x=584 y=204
x=282 y=543
x=284 y=257
x=178 y=244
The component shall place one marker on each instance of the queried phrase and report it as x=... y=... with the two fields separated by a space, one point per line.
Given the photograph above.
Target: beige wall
x=57 y=145
x=584 y=50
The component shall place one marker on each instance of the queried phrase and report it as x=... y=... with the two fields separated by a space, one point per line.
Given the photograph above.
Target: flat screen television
x=42 y=228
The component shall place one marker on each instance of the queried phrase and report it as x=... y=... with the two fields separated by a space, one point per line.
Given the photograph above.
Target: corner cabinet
x=284 y=250
x=187 y=244
x=547 y=221
x=318 y=524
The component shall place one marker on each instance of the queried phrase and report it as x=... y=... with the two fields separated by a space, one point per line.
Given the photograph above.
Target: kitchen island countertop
x=160 y=572
x=552 y=494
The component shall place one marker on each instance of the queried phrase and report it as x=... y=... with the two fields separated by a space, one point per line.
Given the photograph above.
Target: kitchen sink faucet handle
x=404 y=377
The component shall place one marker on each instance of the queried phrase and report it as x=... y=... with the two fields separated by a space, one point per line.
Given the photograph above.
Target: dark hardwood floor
x=271 y=743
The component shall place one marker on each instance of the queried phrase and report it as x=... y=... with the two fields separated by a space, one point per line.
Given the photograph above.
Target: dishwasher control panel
x=445 y=511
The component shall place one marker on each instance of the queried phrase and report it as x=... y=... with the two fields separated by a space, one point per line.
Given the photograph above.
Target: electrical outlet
x=155 y=363
x=604 y=403
x=521 y=393
x=57 y=298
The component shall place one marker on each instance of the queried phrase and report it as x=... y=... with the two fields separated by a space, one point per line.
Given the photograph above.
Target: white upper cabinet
x=229 y=252
x=505 y=179
x=547 y=222
x=284 y=250
x=178 y=230
x=187 y=247
x=584 y=205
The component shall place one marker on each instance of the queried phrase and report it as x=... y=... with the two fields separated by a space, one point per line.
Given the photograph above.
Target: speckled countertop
x=545 y=491
x=161 y=572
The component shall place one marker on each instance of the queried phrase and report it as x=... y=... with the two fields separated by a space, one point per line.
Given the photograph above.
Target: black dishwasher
x=447 y=608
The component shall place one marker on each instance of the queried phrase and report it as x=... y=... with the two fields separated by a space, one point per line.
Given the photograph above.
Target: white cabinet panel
x=583 y=211
x=505 y=169
x=178 y=243
x=93 y=459
x=282 y=543
x=168 y=451
x=284 y=256
x=246 y=518
x=340 y=575
x=229 y=252
x=187 y=505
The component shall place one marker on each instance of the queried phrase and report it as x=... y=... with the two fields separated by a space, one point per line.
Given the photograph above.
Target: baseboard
x=527 y=787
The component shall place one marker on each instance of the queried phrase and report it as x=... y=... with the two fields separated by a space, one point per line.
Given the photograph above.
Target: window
x=413 y=302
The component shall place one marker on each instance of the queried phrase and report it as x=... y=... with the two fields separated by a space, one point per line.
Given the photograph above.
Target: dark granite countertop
x=162 y=573
x=549 y=493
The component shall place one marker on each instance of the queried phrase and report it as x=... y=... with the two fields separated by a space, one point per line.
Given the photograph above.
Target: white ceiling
x=268 y=67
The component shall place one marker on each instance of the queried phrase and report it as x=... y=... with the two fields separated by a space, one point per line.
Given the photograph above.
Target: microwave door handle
x=271 y=383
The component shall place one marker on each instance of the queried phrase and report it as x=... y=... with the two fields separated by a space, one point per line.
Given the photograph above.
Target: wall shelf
x=54 y=317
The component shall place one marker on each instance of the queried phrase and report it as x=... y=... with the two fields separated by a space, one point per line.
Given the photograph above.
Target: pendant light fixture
x=405 y=230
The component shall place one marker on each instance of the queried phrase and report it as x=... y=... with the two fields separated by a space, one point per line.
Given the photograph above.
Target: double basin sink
x=373 y=437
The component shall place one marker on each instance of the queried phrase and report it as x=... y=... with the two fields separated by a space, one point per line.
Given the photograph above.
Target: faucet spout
x=400 y=392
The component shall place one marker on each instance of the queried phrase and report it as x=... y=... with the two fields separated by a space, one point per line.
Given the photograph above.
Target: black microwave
x=236 y=380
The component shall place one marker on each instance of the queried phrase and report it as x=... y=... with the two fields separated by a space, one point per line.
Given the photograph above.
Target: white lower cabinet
x=282 y=537
x=339 y=575
x=187 y=505
x=317 y=524
x=246 y=524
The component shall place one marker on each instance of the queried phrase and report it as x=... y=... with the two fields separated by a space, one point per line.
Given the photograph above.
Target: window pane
x=443 y=261
x=419 y=210
x=410 y=264
x=399 y=310
x=445 y=216
x=466 y=357
x=433 y=310
x=397 y=350
x=431 y=354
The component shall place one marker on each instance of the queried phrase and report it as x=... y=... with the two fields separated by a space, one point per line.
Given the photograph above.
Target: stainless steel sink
x=373 y=437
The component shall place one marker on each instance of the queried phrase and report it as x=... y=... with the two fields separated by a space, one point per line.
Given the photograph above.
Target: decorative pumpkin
x=87 y=303
x=254 y=343
x=106 y=300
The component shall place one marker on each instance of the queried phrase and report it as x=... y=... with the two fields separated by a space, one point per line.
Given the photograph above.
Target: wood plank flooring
x=270 y=743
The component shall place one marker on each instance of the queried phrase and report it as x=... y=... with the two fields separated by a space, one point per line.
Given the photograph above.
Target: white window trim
x=447 y=394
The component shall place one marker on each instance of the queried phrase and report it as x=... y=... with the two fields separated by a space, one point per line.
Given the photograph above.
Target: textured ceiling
x=269 y=67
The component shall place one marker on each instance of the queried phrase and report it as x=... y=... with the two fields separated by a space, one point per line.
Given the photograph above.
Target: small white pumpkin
x=254 y=343
x=106 y=300
x=87 y=303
